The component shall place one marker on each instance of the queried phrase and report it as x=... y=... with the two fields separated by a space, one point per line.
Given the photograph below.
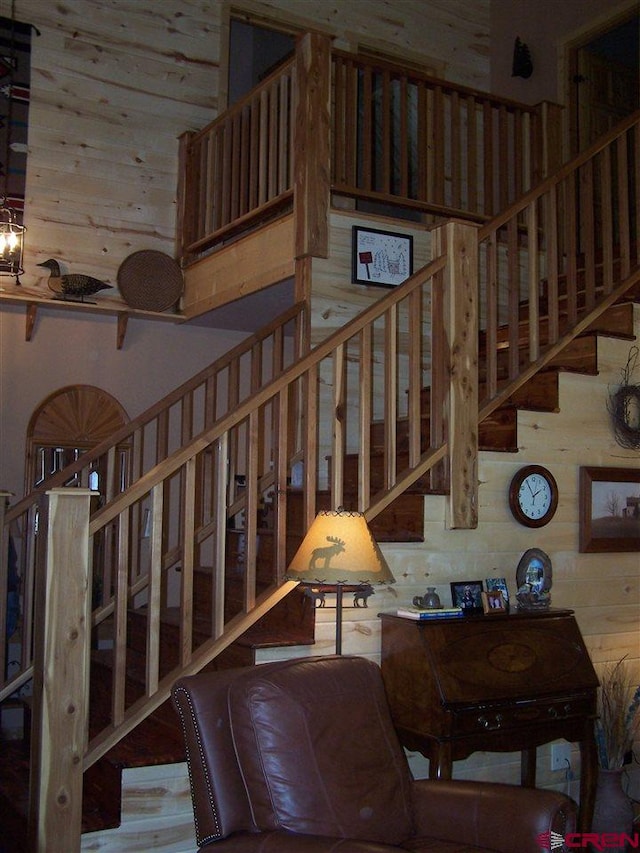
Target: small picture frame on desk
x=468 y=596
x=493 y=602
x=491 y=584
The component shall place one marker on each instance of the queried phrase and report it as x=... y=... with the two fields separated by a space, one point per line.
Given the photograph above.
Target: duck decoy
x=71 y=287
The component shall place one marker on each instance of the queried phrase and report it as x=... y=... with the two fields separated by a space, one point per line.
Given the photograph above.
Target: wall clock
x=533 y=496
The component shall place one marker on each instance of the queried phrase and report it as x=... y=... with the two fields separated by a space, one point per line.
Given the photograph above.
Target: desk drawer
x=486 y=718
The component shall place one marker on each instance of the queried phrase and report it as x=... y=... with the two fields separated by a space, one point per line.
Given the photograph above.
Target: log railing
x=564 y=250
x=134 y=450
x=239 y=168
x=398 y=137
x=403 y=138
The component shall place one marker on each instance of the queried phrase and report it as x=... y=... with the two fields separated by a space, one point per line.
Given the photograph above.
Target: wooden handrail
x=145 y=441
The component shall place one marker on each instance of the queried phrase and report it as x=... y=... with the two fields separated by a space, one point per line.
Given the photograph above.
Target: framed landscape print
x=609 y=509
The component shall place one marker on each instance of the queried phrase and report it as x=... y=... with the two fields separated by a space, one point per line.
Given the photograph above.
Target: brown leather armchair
x=301 y=756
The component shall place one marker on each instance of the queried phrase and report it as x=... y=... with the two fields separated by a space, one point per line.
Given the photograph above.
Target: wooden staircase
x=191 y=497
x=158 y=740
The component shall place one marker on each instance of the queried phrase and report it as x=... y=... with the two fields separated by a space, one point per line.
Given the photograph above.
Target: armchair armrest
x=491 y=815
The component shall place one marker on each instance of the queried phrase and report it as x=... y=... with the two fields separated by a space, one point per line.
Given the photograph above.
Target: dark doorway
x=254 y=52
x=605 y=71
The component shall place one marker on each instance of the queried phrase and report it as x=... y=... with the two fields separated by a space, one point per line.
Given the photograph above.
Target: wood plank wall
x=113 y=86
x=115 y=83
x=603 y=589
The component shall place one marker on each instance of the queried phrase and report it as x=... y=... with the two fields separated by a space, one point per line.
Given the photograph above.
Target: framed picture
x=609 y=501
x=468 y=596
x=491 y=584
x=493 y=601
x=380 y=257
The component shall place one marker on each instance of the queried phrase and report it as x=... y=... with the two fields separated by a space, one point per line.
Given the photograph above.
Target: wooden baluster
x=415 y=359
x=513 y=297
x=282 y=454
x=366 y=417
x=390 y=395
x=456 y=152
x=472 y=155
x=533 y=267
x=553 y=260
x=492 y=317
x=607 y=200
x=338 y=418
x=587 y=224
x=571 y=248
x=187 y=562
x=488 y=164
x=402 y=156
x=623 y=213
x=251 y=511
x=438 y=146
x=367 y=150
x=503 y=161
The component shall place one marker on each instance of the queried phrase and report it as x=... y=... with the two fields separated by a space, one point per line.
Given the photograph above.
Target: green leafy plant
x=618 y=722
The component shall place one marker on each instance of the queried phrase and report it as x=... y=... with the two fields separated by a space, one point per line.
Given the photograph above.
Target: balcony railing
x=395 y=137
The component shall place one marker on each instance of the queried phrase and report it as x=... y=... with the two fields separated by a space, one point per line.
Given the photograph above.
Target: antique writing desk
x=498 y=683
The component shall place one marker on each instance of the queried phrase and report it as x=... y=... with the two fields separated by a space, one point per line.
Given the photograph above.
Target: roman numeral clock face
x=533 y=496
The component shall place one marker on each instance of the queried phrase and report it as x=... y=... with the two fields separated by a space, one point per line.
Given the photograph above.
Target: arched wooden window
x=65 y=425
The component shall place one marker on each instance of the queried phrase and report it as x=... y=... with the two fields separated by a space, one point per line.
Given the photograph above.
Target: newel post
x=459 y=242
x=312 y=146
x=61 y=669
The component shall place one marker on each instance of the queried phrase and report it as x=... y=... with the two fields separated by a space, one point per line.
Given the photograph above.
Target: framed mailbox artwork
x=380 y=257
x=609 y=509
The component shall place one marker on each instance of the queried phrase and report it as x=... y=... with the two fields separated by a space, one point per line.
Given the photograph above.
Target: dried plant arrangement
x=618 y=722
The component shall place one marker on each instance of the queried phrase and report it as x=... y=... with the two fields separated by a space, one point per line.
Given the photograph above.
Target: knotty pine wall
x=603 y=589
x=114 y=83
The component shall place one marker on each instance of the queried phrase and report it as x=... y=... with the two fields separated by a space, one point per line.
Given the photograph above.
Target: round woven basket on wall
x=150 y=281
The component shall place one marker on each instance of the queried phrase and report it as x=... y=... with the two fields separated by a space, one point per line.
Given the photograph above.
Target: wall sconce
x=522 y=65
x=11 y=242
x=339 y=553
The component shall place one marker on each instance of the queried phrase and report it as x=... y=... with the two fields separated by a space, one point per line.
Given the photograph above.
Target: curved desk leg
x=528 y=767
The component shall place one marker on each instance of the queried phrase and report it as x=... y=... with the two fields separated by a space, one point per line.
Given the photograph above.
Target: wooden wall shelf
x=34 y=300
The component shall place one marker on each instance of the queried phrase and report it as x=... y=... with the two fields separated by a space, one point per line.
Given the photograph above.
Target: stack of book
x=411 y=612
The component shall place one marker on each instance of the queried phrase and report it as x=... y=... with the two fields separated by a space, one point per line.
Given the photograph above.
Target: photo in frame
x=491 y=584
x=378 y=257
x=493 y=602
x=609 y=500
x=468 y=596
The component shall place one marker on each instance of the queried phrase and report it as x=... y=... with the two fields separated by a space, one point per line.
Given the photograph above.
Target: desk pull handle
x=486 y=723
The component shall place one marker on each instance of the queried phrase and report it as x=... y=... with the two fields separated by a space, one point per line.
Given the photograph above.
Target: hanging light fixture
x=11 y=242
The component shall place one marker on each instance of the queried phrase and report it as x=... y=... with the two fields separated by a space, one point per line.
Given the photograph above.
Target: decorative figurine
x=72 y=288
x=534 y=578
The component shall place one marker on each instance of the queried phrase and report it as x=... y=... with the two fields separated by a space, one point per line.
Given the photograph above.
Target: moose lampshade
x=339 y=550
